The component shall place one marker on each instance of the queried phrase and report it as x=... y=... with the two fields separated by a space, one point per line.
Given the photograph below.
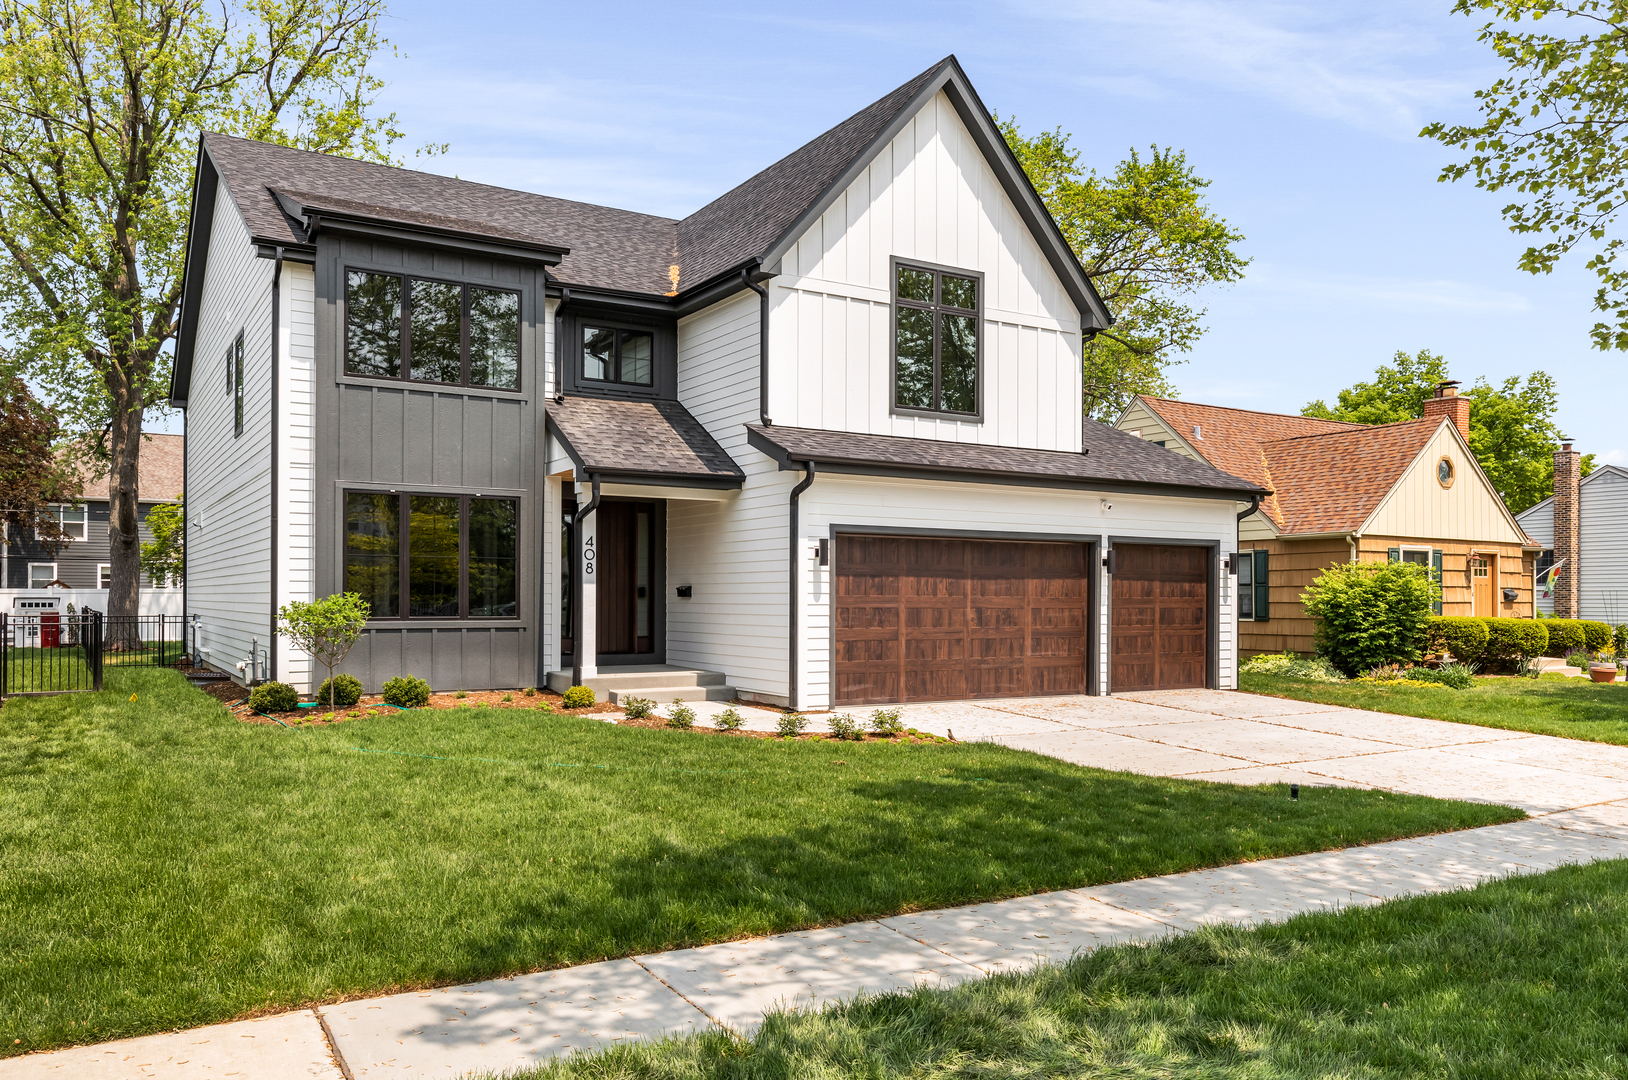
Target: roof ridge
x=1356 y=429
x=1253 y=412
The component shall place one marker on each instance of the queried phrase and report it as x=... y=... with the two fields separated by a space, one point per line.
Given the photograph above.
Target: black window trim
x=894 y=303
x=404 y=549
x=587 y=324
x=234 y=354
x=406 y=278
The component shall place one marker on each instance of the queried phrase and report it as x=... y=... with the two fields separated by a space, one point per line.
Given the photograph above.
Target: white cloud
x=1413 y=294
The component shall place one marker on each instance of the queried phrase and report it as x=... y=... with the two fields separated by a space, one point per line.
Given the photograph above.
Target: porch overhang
x=640 y=443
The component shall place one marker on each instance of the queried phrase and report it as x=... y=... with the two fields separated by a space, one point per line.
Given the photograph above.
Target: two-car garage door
x=939 y=618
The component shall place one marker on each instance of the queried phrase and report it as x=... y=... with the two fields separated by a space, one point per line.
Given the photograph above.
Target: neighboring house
x=818 y=443
x=81 y=563
x=1583 y=528
x=1341 y=492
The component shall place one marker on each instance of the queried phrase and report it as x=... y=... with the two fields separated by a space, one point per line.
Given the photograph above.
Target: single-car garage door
x=934 y=619
x=1160 y=626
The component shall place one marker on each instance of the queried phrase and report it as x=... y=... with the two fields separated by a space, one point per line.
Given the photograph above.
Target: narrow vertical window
x=494 y=338
x=936 y=354
x=237 y=385
x=435 y=340
x=433 y=555
x=373 y=324
x=1246 y=584
x=373 y=551
x=493 y=557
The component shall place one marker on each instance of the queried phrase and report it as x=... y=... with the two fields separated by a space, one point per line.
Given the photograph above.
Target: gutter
x=583 y=512
x=762 y=347
x=791 y=644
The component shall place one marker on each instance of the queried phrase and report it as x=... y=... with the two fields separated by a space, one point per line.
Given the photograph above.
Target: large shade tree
x=1148 y=242
x=101 y=107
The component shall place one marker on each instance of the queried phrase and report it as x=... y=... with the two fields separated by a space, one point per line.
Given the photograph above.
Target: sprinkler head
x=1294 y=792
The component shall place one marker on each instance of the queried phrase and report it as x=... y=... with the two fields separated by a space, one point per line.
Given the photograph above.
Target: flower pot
x=1602 y=672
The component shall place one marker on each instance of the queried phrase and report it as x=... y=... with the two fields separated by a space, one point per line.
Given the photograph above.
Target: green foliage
x=341 y=691
x=680 y=715
x=790 y=724
x=577 y=697
x=163 y=559
x=1596 y=635
x=887 y=721
x=1458 y=676
x=728 y=720
x=1580 y=659
x=1551 y=134
x=1619 y=639
x=1511 y=642
x=1566 y=636
x=1291 y=665
x=844 y=726
x=1371 y=613
x=1513 y=434
x=270 y=697
x=1462 y=635
x=1147 y=241
x=407 y=692
x=638 y=708
x=32 y=474
x=324 y=629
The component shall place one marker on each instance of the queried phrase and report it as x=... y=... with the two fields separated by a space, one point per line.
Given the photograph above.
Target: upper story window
x=431 y=331
x=617 y=356
x=936 y=354
x=70 y=518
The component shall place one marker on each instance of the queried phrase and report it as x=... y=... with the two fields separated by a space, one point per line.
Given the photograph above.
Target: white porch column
x=586 y=640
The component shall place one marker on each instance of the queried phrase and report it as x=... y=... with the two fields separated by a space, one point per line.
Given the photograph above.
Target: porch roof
x=653 y=441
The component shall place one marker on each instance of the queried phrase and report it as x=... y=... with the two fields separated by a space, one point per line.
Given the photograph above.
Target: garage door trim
x=1212 y=661
x=1093 y=543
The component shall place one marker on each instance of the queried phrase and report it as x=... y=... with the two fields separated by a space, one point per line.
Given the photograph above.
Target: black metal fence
x=51 y=653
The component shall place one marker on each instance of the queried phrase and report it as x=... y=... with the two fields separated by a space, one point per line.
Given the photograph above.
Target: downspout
x=791 y=644
x=276 y=309
x=583 y=513
x=1254 y=505
x=763 y=361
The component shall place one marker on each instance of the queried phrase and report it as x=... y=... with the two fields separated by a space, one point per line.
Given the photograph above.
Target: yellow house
x=1409 y=492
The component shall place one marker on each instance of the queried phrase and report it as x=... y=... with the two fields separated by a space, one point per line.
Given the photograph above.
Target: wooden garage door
x=1161 y=617
x=933 y=619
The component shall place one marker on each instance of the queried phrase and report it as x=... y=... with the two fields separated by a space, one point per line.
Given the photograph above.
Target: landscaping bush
x=577 y=697
x=1510 y=642
x=1288 y=665
x=274 y=697
x=680 y=715
x=791 y=724
x=341 y=691
x=1369 y=614
x=1458 y=676
x=1619 y=639
x=887 y=722
x=638 y=708
x=844 y=726
x=1596 y=635
x=1581 y=659
x=1566 y=636
x=407 y=692
x=728 y=720
x=1464 y=637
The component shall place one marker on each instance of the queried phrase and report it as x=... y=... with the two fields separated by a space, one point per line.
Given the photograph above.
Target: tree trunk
x=123 y=530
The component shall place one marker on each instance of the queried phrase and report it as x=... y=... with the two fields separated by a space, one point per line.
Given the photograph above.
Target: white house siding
x=229 y=477
x=296 y=464
x=1418 y=505
x=929 y=195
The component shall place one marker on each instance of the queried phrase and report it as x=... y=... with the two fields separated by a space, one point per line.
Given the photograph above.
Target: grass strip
x=1521 y=978
x=164 y=865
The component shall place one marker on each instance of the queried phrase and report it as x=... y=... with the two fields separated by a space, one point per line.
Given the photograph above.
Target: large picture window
x=431 y=331
x=617 y=356
x=936 y=319
x=433 y=556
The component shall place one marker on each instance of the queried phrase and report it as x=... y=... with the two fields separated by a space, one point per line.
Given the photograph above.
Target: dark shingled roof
x=655 y=439
x=1115 y=458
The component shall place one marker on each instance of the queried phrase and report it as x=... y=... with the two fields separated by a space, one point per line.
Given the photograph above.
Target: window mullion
x=405 y=374
x=938 y=370
x=403 y=561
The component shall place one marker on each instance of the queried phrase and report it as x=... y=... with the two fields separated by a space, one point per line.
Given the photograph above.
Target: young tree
x=1147 y=241
x=102 y=107
x=1512 y=428
x=32 y=473
x=324 y=629
x=1551 y=133
x=164 y=559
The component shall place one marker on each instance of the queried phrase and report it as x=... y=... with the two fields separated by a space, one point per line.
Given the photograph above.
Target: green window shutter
x=1395 y=554
x=1435 y=572
x=1263 y=593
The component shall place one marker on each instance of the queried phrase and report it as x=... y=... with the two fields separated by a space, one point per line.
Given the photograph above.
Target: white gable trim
x=1469 y=456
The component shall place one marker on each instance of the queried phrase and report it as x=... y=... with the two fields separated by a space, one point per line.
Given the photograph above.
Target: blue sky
x=1304 y=115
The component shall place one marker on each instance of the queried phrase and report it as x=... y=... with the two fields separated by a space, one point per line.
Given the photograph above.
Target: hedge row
x=1502 y=642
x=1567 y=636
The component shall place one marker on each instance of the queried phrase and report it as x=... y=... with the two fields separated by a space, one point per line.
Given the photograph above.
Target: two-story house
x=819 y=443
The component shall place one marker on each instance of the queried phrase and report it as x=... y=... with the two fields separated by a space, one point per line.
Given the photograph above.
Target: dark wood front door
x=1161 y=617
x=935 y=619
x=627 y=566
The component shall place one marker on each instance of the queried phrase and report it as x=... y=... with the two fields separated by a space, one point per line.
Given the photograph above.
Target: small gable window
x=617 y=356
x=936 y=355
x=431 y=331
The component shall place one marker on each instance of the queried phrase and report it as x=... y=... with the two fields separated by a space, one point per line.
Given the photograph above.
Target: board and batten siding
x=1140 y=421
x=1418 y=505
x=228 y=483
x=929 y=195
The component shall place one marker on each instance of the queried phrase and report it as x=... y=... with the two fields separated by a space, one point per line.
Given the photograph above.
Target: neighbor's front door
x=1484 y=596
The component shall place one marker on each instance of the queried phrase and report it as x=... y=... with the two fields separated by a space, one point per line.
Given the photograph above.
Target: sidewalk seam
x=714 y=1021
x=333 y=1045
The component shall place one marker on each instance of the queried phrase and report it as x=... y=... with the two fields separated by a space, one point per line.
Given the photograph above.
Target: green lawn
x=1550 y=705
x=1522 y=978
x=164 y=865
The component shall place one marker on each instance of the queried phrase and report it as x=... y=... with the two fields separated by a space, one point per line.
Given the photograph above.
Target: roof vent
x=1197 y=433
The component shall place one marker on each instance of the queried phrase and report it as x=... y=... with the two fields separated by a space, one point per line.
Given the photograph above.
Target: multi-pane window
x=935 y=340
x=433 y=556
x=41 y=574
x=104 y=575
x=431 y=331
x=70 y=519
x=617 y=356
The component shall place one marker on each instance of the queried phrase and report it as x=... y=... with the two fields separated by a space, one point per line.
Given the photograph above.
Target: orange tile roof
x=1325 y=475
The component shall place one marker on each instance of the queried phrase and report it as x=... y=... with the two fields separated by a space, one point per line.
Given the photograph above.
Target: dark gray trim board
x=1212 y=674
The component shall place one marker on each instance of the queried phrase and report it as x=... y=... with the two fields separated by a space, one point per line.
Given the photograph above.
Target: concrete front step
x=643 y=677
x=668 y=695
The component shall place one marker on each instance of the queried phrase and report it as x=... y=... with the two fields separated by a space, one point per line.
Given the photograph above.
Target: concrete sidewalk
x=1580 y=789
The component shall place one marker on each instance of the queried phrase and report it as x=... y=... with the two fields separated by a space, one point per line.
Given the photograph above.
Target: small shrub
x=638 y=708
x=346 y=690
x=508 y=697
x=1290 y=666
x=407 y=692
x=1462 y=636
x=1566 y=636
x=680 y=715
x=1619 y=639
x=1579 y=659
x=543 y=706
x=274 y=697
x=1511 y=641
x=1371 y=613
x=577 y=697
x=728 y=720
x=791 y=724
x=887 y=721
x=844 y=726
x=1596 y=635
x=1458 y=676
x=530 y=691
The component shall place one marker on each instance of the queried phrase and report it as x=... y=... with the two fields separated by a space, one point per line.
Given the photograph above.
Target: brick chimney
x=1447 y=403
x=1568 y=539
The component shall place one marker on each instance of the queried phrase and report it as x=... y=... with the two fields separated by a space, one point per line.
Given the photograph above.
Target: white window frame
x=60 y=510
x=1429 y=552
x=104 y=575
x=34 y=565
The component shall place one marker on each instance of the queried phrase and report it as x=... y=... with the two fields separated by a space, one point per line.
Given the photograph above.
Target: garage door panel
x=929 y=684
x=867 y=688
x=867 y=617
x=1161 y=617
x=872 y=651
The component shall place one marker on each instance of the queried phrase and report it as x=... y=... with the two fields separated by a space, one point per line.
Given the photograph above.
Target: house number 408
x=588 y=557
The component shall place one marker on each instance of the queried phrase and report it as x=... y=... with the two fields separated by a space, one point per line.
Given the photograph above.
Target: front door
x=1481 y=585
x=627 y=592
